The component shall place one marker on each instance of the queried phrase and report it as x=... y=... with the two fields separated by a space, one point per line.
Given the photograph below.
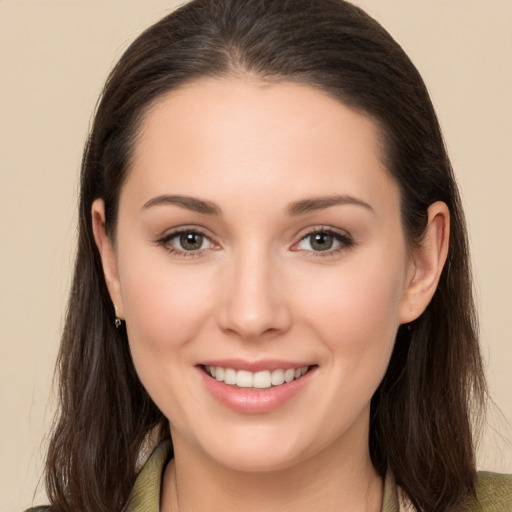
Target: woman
x=272 y=272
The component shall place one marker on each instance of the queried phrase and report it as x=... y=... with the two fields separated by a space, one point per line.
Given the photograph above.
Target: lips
x=253 y=388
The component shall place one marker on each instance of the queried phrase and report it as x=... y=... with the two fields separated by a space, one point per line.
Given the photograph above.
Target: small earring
x=118 y=321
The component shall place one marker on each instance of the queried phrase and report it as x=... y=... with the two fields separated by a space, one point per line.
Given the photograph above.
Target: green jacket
x=494 y=490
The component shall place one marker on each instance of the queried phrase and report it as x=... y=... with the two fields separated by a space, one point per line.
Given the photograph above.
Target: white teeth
x=259 y=380
x=277 y=377
x=229 y=376
x=244 y=379
x=289 y=375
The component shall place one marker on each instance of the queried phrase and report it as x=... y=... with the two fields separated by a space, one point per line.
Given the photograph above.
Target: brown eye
x=321 y=241
x=191 y=241
x=186 y=242
x=324 y=242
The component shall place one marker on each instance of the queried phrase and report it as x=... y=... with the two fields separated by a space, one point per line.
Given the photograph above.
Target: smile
x=257 y=380
x=255 y=387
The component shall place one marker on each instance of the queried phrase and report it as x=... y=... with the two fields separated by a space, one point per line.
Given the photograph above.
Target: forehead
x=247 y=137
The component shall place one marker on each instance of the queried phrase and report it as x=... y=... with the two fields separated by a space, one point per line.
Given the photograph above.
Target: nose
x=254 y=301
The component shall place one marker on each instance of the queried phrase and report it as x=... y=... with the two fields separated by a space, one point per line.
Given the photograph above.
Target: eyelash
x=344 y=239
x=165 y=242
x=345 y=242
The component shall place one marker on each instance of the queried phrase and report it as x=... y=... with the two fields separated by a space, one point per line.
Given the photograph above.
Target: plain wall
x=54 y=57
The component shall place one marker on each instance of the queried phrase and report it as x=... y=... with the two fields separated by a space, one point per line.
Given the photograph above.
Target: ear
x=426 y=263
x=108 y=255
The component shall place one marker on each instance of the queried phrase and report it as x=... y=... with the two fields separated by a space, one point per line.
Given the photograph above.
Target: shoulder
x=145 y=494
x=493 y=493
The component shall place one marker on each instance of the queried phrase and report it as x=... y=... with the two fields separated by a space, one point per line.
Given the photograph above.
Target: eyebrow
x=319 y=203
x=189 y=203
x=294 y=209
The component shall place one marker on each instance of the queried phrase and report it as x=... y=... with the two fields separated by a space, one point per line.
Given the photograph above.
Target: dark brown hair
x=423 y=411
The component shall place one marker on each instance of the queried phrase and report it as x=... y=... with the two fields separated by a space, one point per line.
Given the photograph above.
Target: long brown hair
x=423 y=411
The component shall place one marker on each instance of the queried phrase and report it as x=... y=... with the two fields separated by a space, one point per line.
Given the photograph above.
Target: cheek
x=164 y=304
x=165 y=308
x=356 y=309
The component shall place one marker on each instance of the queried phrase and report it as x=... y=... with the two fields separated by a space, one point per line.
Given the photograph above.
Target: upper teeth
x=263 y=379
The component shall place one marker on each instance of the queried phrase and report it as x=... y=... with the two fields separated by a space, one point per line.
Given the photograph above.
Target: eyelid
x=165 y=239
x=343 y=237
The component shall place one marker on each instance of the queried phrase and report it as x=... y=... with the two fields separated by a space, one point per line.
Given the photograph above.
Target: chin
x=259 y=452
x=257 y=461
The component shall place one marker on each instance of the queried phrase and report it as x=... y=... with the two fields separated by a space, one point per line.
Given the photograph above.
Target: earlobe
x=108 y=256
x=427 y=263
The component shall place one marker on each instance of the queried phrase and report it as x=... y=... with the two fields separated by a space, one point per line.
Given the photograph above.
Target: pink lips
x=250 y=400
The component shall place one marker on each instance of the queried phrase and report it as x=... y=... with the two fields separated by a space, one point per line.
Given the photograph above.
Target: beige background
x=54 y=56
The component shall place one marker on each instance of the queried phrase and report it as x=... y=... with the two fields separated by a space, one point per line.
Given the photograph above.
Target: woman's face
x=259 y=233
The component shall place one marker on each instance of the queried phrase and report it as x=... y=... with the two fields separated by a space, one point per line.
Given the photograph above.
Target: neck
x=341 y=478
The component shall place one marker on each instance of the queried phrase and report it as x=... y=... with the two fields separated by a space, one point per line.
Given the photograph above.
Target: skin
x=258 y=288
